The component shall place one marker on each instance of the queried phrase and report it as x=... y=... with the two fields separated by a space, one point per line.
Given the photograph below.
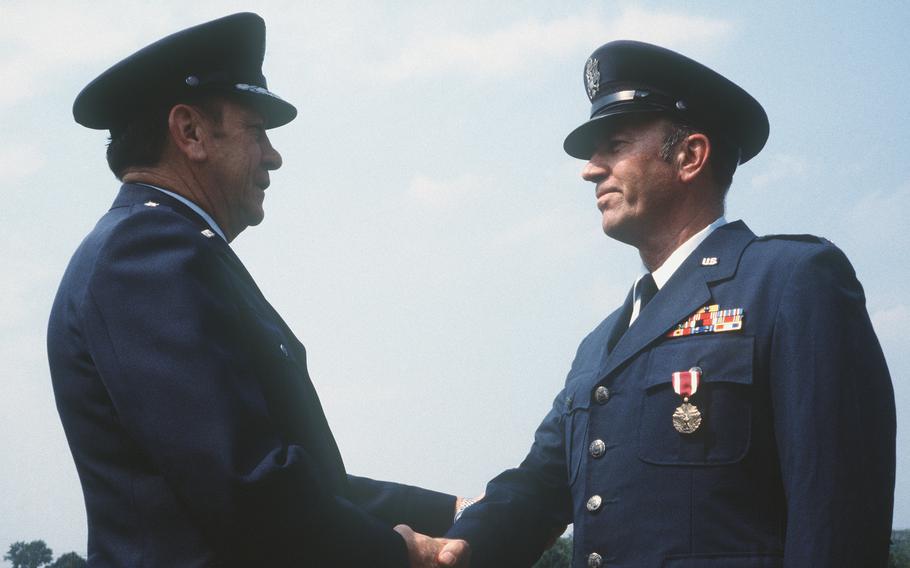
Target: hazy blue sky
x=427 y=238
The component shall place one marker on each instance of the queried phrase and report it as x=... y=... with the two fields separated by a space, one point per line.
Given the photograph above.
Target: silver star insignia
x=208 y=233
x=151 y=204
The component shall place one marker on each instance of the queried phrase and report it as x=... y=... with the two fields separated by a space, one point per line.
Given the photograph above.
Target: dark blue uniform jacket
x=793 y=465
x=197 y=434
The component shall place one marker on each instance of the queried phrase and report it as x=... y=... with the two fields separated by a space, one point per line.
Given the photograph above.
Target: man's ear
x=692 y=157
x=187 y=128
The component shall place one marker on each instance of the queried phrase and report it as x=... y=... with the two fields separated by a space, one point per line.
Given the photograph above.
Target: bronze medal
x=687 y=418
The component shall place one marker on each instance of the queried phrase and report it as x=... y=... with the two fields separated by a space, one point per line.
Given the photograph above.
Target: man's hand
x=427 y=552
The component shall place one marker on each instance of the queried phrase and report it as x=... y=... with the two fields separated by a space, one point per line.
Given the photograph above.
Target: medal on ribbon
x=687 y=417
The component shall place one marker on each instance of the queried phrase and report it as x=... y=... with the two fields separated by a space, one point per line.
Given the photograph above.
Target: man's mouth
x=601 y=194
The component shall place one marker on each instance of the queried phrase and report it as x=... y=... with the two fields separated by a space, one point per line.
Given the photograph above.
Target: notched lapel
x=686 y=291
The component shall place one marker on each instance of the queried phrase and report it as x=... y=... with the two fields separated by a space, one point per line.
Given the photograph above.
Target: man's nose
x=271 y=159
x=595 y=170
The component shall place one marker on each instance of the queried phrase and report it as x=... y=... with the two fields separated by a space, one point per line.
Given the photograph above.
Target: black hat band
x=640 y=97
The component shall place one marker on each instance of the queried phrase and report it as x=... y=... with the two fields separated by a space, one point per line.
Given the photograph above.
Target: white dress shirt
x=672 y=264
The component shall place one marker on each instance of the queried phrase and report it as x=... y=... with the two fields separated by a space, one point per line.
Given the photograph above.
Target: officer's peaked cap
x=624 y=77
x=224 y=55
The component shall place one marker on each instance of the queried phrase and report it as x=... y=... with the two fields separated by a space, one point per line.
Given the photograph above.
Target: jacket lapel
x=619 y=325
x=686 y=291
x=138 y=194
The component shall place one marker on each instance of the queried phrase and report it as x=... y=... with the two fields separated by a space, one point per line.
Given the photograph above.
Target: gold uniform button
x=602 y=394
x=595 y=560
x=594 y=503
x=597 y=448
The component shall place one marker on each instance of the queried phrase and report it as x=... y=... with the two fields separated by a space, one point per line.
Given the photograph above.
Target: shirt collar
x=196 y=209
x=671 y=265
x=662 y=275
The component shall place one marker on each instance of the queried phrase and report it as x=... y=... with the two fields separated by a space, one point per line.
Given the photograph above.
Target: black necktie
x=646 y=290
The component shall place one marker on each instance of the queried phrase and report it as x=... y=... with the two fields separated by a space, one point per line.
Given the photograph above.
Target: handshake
x=428 y=552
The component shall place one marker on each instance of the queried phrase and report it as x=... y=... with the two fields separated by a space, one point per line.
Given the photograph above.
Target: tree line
x=36 y=554
x=560 y=555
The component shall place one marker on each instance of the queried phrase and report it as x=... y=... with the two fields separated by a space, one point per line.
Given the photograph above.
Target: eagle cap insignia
x=592 y=77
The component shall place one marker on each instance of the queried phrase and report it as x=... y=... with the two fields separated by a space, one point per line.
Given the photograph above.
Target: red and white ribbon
x=685 y=383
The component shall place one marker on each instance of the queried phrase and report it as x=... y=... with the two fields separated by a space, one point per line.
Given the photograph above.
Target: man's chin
x=255 y=216
x=618 y=232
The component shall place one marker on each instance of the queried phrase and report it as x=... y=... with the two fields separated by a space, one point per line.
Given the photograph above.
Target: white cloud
x=891 y=321
x=688 y=33
x=505 y=50
x=886 y=207
x=525 y=44
x=444 y=193
x=780 y=167
x=20 y=161
x=43 y=40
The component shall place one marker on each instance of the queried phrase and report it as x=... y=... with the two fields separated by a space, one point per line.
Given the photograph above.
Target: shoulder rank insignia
x=208 y=233
x=151 y=204
x=709 y=319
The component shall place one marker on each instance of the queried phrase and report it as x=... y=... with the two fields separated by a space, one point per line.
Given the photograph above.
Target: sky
x=427 y=238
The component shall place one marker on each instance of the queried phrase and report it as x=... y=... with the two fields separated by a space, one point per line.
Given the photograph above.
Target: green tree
x=69 y=560
x=900 y=549
x=557 y=556
x=29 y=554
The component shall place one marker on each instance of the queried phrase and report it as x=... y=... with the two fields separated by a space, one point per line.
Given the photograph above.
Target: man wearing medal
x=736 y=410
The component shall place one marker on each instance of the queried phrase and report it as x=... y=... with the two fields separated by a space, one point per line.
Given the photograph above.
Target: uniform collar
x=675 y=260
x=666 y=270
x=688 y=289
x=195 y=208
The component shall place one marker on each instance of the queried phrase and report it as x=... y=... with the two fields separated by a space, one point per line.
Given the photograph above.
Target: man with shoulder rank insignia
x=197 y=434
x=736 y=410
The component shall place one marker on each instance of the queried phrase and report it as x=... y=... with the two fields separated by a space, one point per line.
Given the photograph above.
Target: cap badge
x=256 y=89
x=592 y=77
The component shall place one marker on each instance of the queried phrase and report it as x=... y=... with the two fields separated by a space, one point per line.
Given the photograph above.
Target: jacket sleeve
x=425 y=511
x=834 y=418
x=180 y=364
x=523 y=507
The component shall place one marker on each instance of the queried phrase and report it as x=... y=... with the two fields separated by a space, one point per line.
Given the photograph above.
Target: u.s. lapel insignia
x=709 y=319
x=208 y=233
x=686 y=418
x=592 y=77
x=709 y=261
x=151 y=203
